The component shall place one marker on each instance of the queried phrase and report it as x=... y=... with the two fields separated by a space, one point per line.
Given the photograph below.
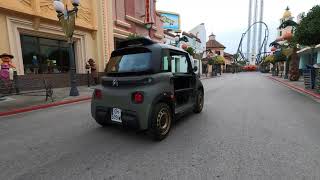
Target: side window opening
x=179 y=63
x=166 y=64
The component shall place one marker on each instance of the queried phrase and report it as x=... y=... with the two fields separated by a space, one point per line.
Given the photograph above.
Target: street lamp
x=67 y=19
x=177 y=40
x=148 y=26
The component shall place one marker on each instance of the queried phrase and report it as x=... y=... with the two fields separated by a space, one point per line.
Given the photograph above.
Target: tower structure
x=254 y=40
x=248 y=55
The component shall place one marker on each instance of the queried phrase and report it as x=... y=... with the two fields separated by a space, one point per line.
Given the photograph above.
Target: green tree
x=292 y=43
x=242 y=63
x=219 y=60
x=308 y=31
x=269 y=59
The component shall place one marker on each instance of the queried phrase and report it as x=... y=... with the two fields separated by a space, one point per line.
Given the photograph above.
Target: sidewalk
x=24 y=103
x=203 y=77
x=297 y=86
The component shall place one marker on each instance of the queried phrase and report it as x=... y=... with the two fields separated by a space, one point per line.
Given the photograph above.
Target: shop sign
x=171 y=21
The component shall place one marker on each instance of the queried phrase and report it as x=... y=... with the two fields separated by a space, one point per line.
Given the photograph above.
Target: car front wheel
x=199 y=102
x=161 y=121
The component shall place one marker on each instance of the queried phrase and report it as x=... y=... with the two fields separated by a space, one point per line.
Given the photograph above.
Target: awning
x=308 y=50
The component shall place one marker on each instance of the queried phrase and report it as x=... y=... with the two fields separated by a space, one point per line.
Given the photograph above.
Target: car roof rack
x=136 y=42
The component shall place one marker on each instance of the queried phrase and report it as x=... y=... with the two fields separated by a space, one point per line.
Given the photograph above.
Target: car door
x=183 y=77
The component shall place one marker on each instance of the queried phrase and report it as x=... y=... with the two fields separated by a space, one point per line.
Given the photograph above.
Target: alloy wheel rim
x=200 y=101
x=163 y=121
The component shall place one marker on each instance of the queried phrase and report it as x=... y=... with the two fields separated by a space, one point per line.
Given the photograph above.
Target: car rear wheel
x=161 y=121
x=101 y=119
x=199 y=102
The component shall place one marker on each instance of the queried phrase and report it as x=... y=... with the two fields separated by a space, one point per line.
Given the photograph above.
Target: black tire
x=161 y=121
x=199 y=102
x=103 y=124
x=102 y=121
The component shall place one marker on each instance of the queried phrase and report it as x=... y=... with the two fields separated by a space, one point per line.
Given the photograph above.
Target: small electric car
x=147 y=85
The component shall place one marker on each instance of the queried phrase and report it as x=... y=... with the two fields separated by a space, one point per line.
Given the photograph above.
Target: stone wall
x=35 y=81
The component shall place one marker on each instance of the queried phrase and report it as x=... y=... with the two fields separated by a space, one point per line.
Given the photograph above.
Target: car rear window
x=129 y=63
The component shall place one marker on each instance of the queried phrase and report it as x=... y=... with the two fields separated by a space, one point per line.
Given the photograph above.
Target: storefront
x=309 y=56
x=30 y=32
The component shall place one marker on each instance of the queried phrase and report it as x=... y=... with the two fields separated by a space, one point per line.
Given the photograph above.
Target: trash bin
x=317 y=77
x=313 y=75
x=307 y=78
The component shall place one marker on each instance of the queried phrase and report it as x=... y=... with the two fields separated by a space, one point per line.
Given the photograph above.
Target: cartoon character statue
x=91 y=65
x=6 y=67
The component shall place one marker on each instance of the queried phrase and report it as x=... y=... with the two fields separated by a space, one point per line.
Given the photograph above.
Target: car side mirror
x=195 y=68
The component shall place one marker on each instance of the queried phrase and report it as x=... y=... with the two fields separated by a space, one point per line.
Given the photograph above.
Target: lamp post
x=177 y=39
x=148 y=26
x=67 y=19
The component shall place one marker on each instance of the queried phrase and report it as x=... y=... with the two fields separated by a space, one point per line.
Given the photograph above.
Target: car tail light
x=97 y=94
x=137 y=97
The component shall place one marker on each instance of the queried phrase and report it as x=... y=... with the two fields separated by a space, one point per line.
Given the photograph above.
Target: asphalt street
x=251 y=128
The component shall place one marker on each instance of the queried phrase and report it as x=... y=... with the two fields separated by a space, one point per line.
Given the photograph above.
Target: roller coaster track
x=263 y=46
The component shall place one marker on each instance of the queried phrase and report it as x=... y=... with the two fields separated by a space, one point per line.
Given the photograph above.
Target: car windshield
x=127 y=63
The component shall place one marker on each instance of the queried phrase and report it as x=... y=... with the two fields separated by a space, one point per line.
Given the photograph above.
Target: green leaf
x=308 y=31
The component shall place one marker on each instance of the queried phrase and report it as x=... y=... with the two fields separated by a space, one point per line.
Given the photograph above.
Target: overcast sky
x=228 y=19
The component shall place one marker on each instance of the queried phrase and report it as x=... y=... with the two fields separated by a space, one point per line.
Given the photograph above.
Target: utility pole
x=254 y=41
x=248 y=55
x=260 y=25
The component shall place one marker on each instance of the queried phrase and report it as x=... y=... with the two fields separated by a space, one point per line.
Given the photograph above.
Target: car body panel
x=156 y=86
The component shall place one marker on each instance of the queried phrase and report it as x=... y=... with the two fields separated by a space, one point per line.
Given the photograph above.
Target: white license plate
x=116 y=115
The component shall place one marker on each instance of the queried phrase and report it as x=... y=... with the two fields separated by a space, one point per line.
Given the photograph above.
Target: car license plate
x=116 y=115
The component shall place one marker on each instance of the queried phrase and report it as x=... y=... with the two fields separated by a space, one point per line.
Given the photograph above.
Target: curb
x=43 y=106
x=298 y=89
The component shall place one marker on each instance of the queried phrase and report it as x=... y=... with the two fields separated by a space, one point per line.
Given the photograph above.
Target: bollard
x=16 y=82
x=88 y=78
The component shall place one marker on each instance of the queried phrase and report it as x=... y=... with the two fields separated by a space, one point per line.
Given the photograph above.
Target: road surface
x=251 y=128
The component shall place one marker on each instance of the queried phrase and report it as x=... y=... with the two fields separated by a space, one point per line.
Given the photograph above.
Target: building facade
x=169 y=38
x=287 y=15
x=129 y=18
x=201 y=33
x=193 y=41
x=214 y=46
x=228 y=58
x=309 y=56
x=31 y=32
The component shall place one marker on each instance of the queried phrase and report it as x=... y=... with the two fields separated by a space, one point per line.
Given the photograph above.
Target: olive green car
x=147 y=85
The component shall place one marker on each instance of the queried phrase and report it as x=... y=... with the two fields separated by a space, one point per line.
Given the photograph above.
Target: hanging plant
x=219 y=60
x=191 y=51
x=270 y=59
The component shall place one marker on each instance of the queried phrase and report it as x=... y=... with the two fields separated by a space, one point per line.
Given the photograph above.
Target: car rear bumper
x=129 y=118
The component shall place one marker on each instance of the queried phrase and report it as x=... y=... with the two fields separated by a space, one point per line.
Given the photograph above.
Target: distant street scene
x=159 y=89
